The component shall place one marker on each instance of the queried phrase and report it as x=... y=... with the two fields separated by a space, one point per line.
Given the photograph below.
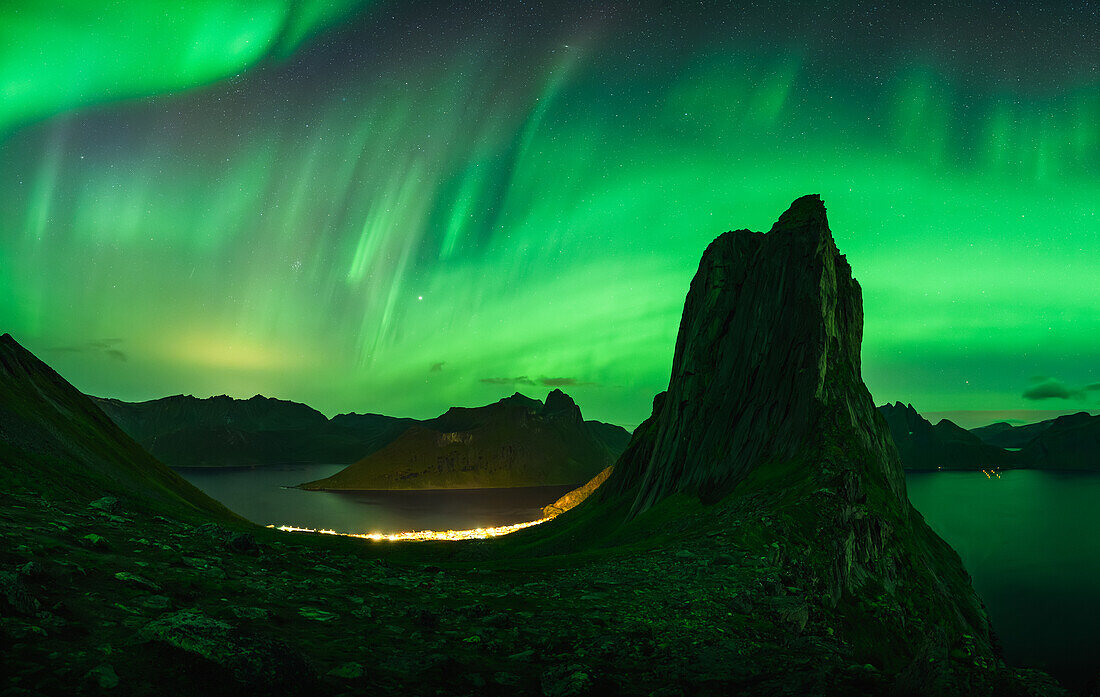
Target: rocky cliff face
x=768 y=351
x=517 y=441
x=946 y=445
x=766 y=444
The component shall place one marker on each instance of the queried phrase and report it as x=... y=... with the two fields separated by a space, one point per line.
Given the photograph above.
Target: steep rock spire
x=768 y=347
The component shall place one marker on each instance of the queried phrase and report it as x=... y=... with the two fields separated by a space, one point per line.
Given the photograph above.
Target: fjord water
x=261 y=494
x=1028 y=539
x=1031 y=542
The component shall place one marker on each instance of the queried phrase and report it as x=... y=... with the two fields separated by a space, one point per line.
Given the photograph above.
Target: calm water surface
x=259 y=495
x=1031 y=542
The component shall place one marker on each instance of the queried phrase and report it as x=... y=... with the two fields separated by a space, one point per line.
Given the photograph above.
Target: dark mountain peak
x=906 y=408
x=520 y=400
x=516 y=441
x=1077 y=418
x=897 y=407
x=768 y=348
x=560 y=405
x=805 y=215
x=11 y=347
x=516 y=406
x=557 y=397
x=18 y=363
x=949 y=426
x=903 y=418
x=766 y=417
x=946 y=445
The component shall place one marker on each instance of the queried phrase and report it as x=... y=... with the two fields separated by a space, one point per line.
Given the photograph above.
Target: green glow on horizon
x=549 y=203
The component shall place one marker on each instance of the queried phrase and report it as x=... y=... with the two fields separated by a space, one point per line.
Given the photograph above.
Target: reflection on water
x=258 y=494
x=1030 y=541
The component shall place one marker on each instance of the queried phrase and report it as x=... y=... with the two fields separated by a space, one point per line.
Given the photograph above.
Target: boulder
x=255 y=661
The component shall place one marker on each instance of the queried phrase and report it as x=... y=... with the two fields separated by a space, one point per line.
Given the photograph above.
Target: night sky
x=398 y=207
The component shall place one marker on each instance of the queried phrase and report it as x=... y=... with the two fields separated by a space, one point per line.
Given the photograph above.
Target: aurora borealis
x=398 y=207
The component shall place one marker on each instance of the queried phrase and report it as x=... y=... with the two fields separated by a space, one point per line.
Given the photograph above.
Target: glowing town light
x=421 y=535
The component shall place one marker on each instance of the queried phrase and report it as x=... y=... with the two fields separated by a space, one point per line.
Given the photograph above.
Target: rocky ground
x=104 y=600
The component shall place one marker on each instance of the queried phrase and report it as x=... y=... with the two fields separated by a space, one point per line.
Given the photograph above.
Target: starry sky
x=402 y=206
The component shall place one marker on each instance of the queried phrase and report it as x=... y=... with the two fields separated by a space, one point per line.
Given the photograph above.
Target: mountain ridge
x=1067 y=442
x=221 y=431
x=945 y=445
x=515 y=441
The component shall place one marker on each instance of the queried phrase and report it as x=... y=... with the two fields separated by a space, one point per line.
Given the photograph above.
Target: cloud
x=436 y=367
x=563 y=382
x=1052 y=388
x=545 y=382
x=559 y=382
x=521 y=380
x=107 y=347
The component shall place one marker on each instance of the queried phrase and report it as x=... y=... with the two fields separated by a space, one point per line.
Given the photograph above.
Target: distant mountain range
x=517 y=441
x=185 y=431
x=1069 y=442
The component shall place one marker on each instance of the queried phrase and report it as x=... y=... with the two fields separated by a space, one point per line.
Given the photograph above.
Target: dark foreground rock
x=255 y=662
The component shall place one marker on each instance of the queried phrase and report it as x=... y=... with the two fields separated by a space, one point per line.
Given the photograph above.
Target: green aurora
x=392 y=208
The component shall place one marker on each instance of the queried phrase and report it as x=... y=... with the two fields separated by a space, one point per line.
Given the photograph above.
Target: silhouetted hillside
x=56 y=441
x=517 y=441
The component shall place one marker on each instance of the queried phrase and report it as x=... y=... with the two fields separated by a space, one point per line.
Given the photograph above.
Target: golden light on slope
x=421 y=535
x=565 y=503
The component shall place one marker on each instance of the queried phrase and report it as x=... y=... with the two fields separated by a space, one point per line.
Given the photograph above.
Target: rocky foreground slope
x=791 y=565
